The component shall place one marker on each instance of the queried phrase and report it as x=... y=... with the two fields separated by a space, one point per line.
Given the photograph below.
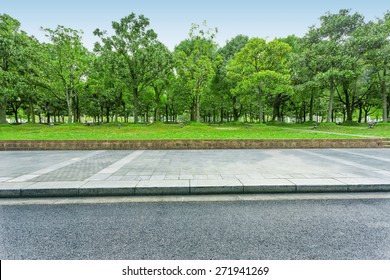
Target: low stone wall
x=16 y=145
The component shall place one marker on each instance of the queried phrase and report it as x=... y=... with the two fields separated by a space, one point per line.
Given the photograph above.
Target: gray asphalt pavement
x=282 y=229
x=94 y=173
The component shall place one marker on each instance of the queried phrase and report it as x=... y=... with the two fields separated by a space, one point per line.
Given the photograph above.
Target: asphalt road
x=317 y=229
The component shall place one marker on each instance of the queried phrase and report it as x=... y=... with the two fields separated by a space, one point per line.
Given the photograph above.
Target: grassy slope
x=193 y=131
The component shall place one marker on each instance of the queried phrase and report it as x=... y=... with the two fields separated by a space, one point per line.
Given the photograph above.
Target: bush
x=331 y=124
x=350 y=123
x=198 y=124
x=275 y=123
x=382 y=124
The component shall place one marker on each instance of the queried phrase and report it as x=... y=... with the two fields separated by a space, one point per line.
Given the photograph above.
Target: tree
x=222 y=85
x=106 y=87
x=164 y=67
x=374 y=37
x=65 y=64
x=261 y=67
x=194 y=61
x=11 y=52
x=136 y=44
x=335 y=56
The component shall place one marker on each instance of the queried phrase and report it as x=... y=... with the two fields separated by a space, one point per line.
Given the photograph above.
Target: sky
x=172 y=19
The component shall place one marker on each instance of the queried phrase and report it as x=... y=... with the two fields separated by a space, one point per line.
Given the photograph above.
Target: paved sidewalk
x=129 y=173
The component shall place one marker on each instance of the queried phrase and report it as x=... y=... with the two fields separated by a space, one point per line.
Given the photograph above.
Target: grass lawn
x=192 y=131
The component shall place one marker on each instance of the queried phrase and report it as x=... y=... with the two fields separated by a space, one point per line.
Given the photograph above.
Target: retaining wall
x=15 y=145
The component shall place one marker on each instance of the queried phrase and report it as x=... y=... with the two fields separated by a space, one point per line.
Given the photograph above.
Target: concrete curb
x=178 y=187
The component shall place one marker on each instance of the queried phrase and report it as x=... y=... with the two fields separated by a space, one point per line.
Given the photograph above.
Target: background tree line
x=338 y=71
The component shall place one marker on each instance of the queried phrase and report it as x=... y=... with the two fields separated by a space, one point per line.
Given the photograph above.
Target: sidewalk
x=191 y=172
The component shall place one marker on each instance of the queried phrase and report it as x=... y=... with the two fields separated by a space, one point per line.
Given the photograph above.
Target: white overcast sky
x=171 y=19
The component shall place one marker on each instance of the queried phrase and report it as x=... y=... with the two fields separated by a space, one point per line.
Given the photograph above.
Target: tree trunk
x=32 y=111
x=15 y=109
x=348 y=105
x=156 y=116
x=331 y=97
x=193 y=109
x=197 y=104
x=276 y=113
x=69 y=101
x=311 y=105
x=136 y=102
x=3 y=110
x=235 y=110
x=261 y=109
x=108 y=114
x=384 y=97
x=360 y=112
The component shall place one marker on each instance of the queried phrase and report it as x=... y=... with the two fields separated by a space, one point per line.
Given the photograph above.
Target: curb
x=29 y=190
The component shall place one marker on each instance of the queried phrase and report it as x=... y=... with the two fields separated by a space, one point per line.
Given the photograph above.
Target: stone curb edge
x=26 y=192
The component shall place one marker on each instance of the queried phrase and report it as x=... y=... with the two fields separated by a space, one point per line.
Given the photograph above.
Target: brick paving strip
x=108 y=171
x=35 y=174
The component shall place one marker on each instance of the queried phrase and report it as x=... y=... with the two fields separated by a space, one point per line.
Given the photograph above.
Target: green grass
x=359 y=130
x=192 y=131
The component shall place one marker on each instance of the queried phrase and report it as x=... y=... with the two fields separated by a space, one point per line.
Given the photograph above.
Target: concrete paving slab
x=383 y=173
x=17 y=185
x=364 y=181
x=4 y=179
x=172 y=177
x=163 y=187
x=23 y=178
x=214 y=177
x=99 y=177
x=200 y=177
x=316 y=182
x=186 y=177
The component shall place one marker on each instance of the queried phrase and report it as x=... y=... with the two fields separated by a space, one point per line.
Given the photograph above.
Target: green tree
x=222 y=85
x=137 y=45
x=164 y=67
x=106 y=88
x=195 y=60
x=374 y=39
x=65 y=62
x=336 y=56
x=261 y=67
x=12 y=45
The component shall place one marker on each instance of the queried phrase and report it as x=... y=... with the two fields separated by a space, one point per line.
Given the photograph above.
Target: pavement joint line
x=108 y=171
x=32 y=175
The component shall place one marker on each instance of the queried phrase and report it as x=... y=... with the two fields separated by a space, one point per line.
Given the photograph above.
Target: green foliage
x=195 y=60
x=138 y=47
x=350 y=123
x=339 y=71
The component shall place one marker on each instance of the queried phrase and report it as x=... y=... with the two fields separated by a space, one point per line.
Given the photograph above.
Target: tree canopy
x=337 y=72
